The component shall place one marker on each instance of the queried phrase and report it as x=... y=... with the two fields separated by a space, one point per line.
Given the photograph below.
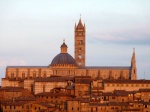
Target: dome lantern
x=63 y=58
x=64 y=47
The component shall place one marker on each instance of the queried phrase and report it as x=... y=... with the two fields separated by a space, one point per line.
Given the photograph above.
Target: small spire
x=80 y=25
x=133 y=49
x=64 y=40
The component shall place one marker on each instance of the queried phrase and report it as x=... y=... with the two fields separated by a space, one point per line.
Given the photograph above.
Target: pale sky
x=31 y=32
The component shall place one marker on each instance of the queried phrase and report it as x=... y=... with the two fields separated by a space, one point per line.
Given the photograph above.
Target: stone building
x=67 y=84
x=64 y=64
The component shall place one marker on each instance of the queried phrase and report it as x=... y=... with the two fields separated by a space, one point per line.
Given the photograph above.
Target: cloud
x=130 y=36
x=12 y=62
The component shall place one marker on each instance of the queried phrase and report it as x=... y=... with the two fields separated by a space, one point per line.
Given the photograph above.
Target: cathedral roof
x=54 y=79
x=107 y=67
x=63 y=58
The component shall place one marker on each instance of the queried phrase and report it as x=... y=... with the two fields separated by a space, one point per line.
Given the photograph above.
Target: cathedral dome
x=63 y=58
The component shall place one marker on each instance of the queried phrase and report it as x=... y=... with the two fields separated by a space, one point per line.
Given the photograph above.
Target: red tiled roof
x=46 y=105
x=30 y=98
x=54 y=79
x=14 y=103
x=83 y=79
x=107 y=67
x=144 y=90
x=128 y=81
x=12 y=89
x=27 y=67
x=107 y=94
x=69 y=87
x=98 y=104
x=120 y=93
x=54 y=94
x=117 y=104
x=131 y=110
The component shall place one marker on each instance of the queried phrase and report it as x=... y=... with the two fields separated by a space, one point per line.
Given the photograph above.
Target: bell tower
x=79 y=39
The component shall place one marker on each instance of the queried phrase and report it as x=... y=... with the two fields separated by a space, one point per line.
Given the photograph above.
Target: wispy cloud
x=131 y=36
x=14 y=61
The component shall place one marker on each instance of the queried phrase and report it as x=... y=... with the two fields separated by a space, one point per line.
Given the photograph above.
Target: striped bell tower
x=80 y=43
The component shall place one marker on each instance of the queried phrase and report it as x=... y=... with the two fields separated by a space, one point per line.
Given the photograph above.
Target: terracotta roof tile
x=54 y=94
x=128 y=81
x=14 y=103
x=83 y=79
x=118 y=104
x=107 y=67
x=46 y=104
x=107 y=94
x=69 y=87
x=98 y=104
x=120 y=93
x=30 y=98
x=27 y=67
x=54 y=79
x=144 y=90
x=12 y=89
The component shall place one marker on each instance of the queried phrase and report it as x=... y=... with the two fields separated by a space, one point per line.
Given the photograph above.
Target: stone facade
x=24 y=76
x=68 y=85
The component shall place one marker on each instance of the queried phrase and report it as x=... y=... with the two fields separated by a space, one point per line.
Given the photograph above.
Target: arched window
x=79 y=49
x=79 y=56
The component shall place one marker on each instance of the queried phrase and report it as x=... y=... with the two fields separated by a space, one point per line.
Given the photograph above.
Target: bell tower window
x=79 y=49
x=79 y=56
x=79 y=63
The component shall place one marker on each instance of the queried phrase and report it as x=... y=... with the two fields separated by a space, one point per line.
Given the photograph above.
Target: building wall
x=82 y=89
x=47 y=86
x=109 y=87
x=28 y=84
x=12 y=108
x=94 y=73
x=26 y=73
x=73 y=106
x=8 y=83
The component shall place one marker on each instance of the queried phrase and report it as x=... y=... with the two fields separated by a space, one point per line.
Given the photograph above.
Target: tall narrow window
x=43 y=88
x=79 y=56
x=23 y=75
x=12 y=75
x=34 y=74
x=79 y=49
x=44 y=74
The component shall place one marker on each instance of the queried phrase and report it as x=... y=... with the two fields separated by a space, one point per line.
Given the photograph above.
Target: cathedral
x=65 y=67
